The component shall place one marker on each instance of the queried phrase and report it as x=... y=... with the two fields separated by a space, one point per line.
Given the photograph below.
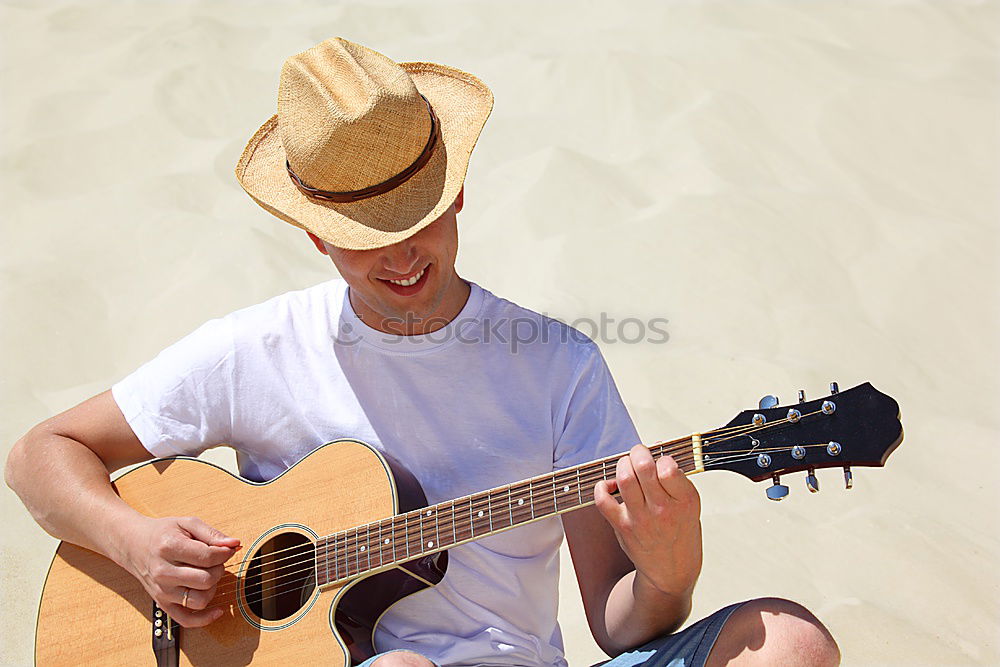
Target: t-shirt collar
x=352 y=331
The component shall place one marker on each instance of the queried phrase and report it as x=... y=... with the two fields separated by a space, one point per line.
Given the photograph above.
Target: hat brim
x=462 y=103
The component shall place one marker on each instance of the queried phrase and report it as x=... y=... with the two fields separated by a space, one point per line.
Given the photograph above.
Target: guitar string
x=592 y=476
x=479 y=503
x=357 y=557
x=310 y=571
x=482 y=500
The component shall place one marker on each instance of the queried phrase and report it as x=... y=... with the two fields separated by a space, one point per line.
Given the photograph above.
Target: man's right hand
x=177 y=555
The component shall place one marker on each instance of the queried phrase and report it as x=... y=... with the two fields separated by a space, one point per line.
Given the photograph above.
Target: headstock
x=856 y=427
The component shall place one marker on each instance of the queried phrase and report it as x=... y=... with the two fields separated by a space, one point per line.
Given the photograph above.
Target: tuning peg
x=811 y=482
x=777 y=491
x=802 y=395
x=768 y=401
x=848 y=478
x=834 y=388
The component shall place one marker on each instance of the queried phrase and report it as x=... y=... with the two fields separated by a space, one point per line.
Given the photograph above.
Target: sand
x=805 y=192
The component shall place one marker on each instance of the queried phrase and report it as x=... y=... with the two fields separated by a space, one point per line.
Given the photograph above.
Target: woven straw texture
x=353 y=119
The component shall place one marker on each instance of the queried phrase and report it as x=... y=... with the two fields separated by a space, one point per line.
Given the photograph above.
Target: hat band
x=378 y=188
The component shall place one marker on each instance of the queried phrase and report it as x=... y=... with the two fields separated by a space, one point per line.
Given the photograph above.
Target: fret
x=392 y=529
x=357 y=549
x=579 y=487
x=472 y=520
x=348 y=551
x=520 y=507
x=406 y=534
x=563 y=491
x=531 y=501
x=437 y=530
x=463 y=529
x=543 y=493
x=428 y=535
x=482 y=522
x=326 y=558
x=414 y=535
x=454 y=529
x=338 y=554
x=368 y=544
x=510 y=505
x=336 y=557
x=393 y=538
x=498 y=518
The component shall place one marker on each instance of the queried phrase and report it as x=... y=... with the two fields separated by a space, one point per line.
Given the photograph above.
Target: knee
x=777 y=631
x=402 y=659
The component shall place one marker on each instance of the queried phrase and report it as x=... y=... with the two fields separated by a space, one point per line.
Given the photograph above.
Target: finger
x=190 y=551
x=646 y=472
x=205 y=533
x=196 y=599
x=191 y=618
x=192 y=577
x=606 y=504
x=628 y=485
x=674 y=481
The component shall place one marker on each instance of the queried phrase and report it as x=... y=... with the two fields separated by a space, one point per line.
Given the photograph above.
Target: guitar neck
x=395 y=540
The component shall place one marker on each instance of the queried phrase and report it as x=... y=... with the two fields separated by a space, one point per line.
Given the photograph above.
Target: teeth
x=410 y=281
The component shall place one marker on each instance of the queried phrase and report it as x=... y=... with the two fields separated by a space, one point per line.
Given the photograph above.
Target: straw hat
x=364 y=152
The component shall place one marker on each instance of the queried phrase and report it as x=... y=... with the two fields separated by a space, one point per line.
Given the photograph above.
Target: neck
x=442 y=311
x=395 y=540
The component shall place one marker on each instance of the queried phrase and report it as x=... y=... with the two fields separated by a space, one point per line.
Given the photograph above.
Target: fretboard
x=395 y=540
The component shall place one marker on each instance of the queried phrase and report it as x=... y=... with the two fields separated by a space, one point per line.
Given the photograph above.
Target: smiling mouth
x=408 y=281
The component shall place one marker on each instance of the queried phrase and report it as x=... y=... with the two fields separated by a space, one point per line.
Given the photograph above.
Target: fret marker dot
x=480 y=512
x=520 y=501
x=429 y=512
x=430 y=544
x=565 y=489
x=362 y=548
x=387 y=540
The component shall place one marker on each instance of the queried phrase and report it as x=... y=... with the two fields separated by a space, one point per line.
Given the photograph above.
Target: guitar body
x=94 y=612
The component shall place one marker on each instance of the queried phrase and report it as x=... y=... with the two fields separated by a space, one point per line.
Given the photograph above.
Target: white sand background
x=806 y=191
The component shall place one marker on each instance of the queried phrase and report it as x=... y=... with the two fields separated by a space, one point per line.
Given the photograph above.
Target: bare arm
x=61 y=471
x=637 y=593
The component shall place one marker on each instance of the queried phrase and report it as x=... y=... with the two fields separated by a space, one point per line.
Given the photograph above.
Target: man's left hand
x=657 y=521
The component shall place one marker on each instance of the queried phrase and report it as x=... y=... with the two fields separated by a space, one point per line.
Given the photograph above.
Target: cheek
x=351 y=263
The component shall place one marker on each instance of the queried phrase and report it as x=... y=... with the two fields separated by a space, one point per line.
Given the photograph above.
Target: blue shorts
x=687 y=648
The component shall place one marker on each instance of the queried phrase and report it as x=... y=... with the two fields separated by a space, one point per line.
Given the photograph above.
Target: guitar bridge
x=166 y=638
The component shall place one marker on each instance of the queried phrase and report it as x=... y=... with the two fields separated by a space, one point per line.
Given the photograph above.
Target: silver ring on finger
x=184 y=600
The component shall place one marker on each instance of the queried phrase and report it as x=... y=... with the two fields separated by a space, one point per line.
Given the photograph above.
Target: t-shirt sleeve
x=180 y=402
x=595 y=423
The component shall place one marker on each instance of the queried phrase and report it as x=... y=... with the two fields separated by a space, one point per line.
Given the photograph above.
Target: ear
x=460 y=200
x=318 y=242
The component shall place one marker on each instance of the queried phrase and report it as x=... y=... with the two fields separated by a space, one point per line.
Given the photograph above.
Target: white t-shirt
x=499 y=394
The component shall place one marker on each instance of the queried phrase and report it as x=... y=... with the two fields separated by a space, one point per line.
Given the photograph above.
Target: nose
x=400 y=258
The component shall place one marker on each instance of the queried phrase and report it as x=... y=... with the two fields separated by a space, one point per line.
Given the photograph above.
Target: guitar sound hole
x=281 y=576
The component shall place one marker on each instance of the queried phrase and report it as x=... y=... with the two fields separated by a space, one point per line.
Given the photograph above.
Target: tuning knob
x=834 y=388
x=811 y=482
x=802 y=395
x=777 y=491
x=768 y=401
x=848 y=478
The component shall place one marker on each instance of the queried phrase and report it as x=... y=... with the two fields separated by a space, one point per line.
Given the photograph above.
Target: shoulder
x=292 y=316
x=314 y=301
x=524 y=330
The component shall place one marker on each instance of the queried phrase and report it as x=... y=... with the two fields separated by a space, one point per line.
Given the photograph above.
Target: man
x=369 y=157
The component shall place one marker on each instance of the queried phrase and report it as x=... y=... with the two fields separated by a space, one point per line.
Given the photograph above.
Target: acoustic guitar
x=346 y=533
